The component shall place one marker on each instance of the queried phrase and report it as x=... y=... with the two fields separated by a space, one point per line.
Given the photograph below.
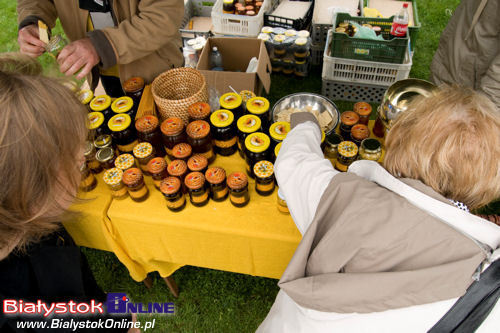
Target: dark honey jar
x=228 y=7
x=123 y=132
x=106 y=157
x=198 y=193
x=300 y=51
x=133 y=179
x=346 y=155
x=216 y=179
x=197 y=163
x=102 y=103
x=178 y=168
x=347 y=120
x=238 y=189
x=247 y=124
x=200 y=139
x=278 y=132
x=133 y=88
x=256 y=149
x=264 y=177
x=224 y=132
x=173 y=133
x=96 y=125
x=148 y=130
x=199 y=111
x=359 y=132
x=259 y=106
x=157 y=168
x=182 y=151
x=232 y=102
x=123 y=105
x=171 y=189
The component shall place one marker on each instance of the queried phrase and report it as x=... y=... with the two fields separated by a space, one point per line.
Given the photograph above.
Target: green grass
x=211 y=300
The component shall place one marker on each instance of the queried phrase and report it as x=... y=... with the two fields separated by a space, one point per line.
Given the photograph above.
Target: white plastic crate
x=366 y=72
x=239 y=25
x=353 y=92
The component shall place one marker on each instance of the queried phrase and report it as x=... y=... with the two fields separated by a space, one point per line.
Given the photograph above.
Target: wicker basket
x=176 y=89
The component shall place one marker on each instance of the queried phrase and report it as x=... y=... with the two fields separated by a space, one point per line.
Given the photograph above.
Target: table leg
x=148 y=282
x=172 y=286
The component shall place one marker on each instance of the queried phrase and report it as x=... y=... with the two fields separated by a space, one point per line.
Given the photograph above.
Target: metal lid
x=348 y=149
x=119 y=122
x=371 y=145
x=230 y=101
x=122 y=104
x=249 y=123
x=100 y=103
x=85 y=96
x=105 y=154
x=279 y=130
x=96 y=119
x=124 y=161
x=143 y=150
x=103 y=141
x=257 y=105
x=89 y=149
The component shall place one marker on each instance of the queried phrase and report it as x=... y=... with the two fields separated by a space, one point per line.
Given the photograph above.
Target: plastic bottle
x=216 y=59
x=400 y=23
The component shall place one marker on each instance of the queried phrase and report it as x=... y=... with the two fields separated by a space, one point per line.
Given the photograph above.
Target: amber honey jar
x=347 y=120
x=347 y=153
x=148 y=130
x=232 y=102
x=96 y=125
x=124 y=162
x=106 y=157
x=144 y=152
x=264 y=177
x=259 y=106
x=123 y=132
x=199 y=111
x=90 y=158
x=370 y=149
x=197 y=163
x=278 y=132
x=102 y=103
x=256 y=149
x=178 y=168
x=134 y=181
x=88 y=181
x=258 y=6
x=238 y=189
x=246 y=125
x=216 y=179
x=200 y=139
x=331 y=146
x=133 y=88
x=195 y=184
x=359 y=132
x=123 y=105
x=157 y=168
x=114 y=179
x=171 y=189
x=364 y=110
x=224 y=132
x=103 y=141
x=173 y=133
x=85 y=96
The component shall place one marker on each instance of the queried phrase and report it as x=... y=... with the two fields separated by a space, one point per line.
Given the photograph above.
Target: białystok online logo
x=120 y=303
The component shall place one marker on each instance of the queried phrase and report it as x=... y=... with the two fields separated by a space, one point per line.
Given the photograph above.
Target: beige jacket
x=469 y=49
x=145 y=43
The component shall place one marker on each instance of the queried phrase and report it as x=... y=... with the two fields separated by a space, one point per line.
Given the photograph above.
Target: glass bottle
x=171 y=189
x=173 y=133
x=331 y=144
x=264 y=178
x=157 y=168
x=144 y=152
x=347 y=153
x=216 y=178
x=114 y=179
x=134 y=181
x=123 y=132
x=238 y=189
x=195 y=184
x=224 y=132
x=200 y=139
x=148 y=130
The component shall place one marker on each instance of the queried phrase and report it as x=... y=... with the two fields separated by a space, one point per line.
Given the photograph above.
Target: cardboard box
x=236 y=54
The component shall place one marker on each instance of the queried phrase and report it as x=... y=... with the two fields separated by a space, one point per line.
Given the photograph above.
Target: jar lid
x=348 y=149
x=147 y=124
x=291 y=33
x=194 y=180
x=198 y=129
x=303 y=34
x=199 y=110
x=182 y=150
x=263 y=169
x=124 y=161
x=257 y=142
x=172 y=126
x=257 y=105
x=360 y=132
x=170 y=185
x=228 y=2
x=237 y=180
x=349 y=118
x=279 y=38
x=105 y=154
x=85 y=96
x=249 y=123
x=222 y=118
x=279 y=130
x=371 y=145
x=119 y=122
x=363 y=108
x=96 y=119
x=263 y=36
x=133 y=84
x=230 y=101
x=246 y=95
x=112 y=176
x=267 y=30
x=288 y=61
x=132 y=177
x=103 y=141
x=143 y=150
x=100 y=103
x=177 y=168
x=301 y=41
x=157 y=165
x=334 y=139
x=215 y=175
x=197 y=162
x=122 y=104
x=277 y=149
x=89 y=148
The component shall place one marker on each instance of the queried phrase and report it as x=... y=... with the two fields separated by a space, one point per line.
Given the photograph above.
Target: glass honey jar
x=279 y=46
x=182 y=151
x=171 y=189
x=123 y=132
x=178 y=168
x=85 y=96
x=264 y=178
x=224 y=132
x=96 y=125
x=246 y=125
x=133 y=88
x=364 y=110
x=238 y=189
x=173 y=133
x=216 y=179
x=114 y=179
x=359 y=132
x=148 y=130
x=124 y=162
x=347 y=120
x=106 y=157
x=331 y=144
x=370 y=149
x=347 y=153
x=103 y=141
x=232 y=102
x=200 y=139
x=259 y=106
x=256 y=149
x=197 y=163
x=134 y=181
x=278 y=132
x=195 y=184
x=88 y=181
x=102 y=103
x=144 y=152
x=124 y=105
x=300 y=49
x=228 y=7
x=199 y=111
x=90 y=158
x=157 y=168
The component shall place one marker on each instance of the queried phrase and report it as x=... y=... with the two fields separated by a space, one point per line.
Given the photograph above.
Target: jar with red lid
x=114 y=179
x=171 y=189
x=173 y=133
x=347 y=120
x=264 y=177
x=224 y=132
x=198 y=193
x=133 y=179
x=216 y=179
x=364 y=110
x=197 y=163
x=182 y=151
x=359 y=132
x=200 y=139
x=144 y=152
x=157 y=168
x=238 y=189
x=199 y=111
x=133 y=88
x=148 y=130
x=178 y=168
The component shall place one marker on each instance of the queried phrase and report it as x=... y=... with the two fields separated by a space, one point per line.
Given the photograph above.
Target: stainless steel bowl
x=399 y=95
x=303 y=100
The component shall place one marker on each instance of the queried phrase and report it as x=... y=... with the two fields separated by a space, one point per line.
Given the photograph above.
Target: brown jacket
x=469 y=49
x=145 y=43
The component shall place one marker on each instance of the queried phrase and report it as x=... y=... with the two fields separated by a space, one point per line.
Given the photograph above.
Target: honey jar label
x=226 y=144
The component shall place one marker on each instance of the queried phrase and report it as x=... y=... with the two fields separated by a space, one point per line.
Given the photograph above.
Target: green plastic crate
x=389 y=51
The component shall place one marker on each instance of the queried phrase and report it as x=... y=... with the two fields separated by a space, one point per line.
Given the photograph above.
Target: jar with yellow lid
x=288 y=67
x=279 y=46
x=195 y=184
x=347 y=120
x=359 y=132
x=114 y=179
x=124 y=105
x=232 y=102
x=228 y=7
x=267 y=30
x=267 y=41
x=276 y=151
x=102 y=103
x=144 y=152
x=331 y=144
x=264 y=177
x=106 y=157
x=96 y=124
x=370 y=149
x=301 y=69
x=55 y=45
x=123 y=132
x=157 y=168
x=89 y=153
x=178 y=168
x=256 y=149
x=199 y=111
x=238 y=189
x=173 y=133
x=301 y=49
x=133 y=179
x=125 y=161
x=216 y=179
x=88 y=182
x=259 y=106
x=85 y=96
x=303 y=34
x=148 y=130
x=278 y=132
x=103 y=141
x=133 y=88
x=224 y=132
x=364 y=110
x=198 y=163
x=200 y=139
x=245 y=96
x=347 y=153
x=182 y=151
x=246 y=125
x=282 y=206
x=171 y=189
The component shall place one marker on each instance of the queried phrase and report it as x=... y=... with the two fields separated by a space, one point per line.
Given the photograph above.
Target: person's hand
x=80 y=54
x=29 y=41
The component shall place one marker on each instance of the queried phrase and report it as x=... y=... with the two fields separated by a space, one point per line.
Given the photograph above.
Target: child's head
x=42 y=132
x=451 y=142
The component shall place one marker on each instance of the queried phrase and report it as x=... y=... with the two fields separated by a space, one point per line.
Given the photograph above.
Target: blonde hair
x=450 y=142
x=42 y=129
